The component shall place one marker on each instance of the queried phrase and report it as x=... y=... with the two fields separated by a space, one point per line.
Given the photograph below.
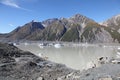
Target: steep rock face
x=113 y=22
x=53 y=32
x=113 y=27
x=115 y=35
x=26 y=30
x=48 y=22
x=72 y=33
x=80 y=19
x=95 y=33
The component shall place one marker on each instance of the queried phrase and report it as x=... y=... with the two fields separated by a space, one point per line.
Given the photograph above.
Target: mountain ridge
x=77 y=28
x=113 y=22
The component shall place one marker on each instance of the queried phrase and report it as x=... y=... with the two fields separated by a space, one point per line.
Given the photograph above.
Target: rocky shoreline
x=16 y=64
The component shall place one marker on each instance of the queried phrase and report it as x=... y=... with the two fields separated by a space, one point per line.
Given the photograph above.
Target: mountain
x=84 y=29
x=77 y=28
x=62 y=29
x=80 y=19
x=113 y=26
x=26 y=30
x=54 y=31
x=113 y=22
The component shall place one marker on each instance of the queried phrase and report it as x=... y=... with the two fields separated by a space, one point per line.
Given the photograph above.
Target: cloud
x=11 y=25
x=12 y=3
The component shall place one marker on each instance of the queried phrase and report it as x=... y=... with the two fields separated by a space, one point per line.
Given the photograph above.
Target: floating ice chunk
x=57 y=45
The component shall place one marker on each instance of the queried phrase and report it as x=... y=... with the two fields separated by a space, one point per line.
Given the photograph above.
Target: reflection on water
x=74 y=57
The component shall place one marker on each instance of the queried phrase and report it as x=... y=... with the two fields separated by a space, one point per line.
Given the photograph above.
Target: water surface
x=76 y=57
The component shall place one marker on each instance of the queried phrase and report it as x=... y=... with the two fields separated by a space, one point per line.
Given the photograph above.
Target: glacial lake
x=75 y=56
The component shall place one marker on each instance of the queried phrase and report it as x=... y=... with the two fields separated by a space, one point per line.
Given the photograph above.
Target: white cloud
x=12 y=3
x=11 y=25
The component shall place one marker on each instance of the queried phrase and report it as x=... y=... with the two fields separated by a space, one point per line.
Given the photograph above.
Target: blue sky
x=14 y=13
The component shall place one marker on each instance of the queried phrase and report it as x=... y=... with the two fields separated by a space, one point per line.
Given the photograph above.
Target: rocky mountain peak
x=25 y=30
x=80 y=19
x=34 y=25
x=77 y=17
x=117 y=16
x=114 y=21
x=48 y=22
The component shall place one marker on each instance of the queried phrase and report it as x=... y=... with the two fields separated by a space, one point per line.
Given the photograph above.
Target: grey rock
x=113 y=22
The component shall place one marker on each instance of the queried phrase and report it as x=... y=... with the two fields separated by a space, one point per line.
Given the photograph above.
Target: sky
x=14 y=13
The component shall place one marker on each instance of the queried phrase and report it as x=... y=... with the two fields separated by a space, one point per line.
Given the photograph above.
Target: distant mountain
x=113 y=22
x=63 y=29
x=113 y=26
x=54 y=31
x=77 y=28
x=26 y=30
x=2 y=35
x=80 y=19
